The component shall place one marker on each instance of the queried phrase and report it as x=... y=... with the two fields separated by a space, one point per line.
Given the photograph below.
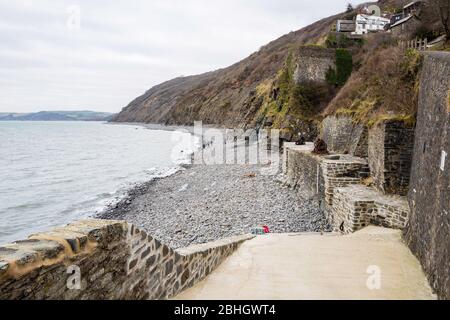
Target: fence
x=417 y=44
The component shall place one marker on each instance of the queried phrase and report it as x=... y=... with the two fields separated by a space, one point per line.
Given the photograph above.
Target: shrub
x=386 y=85
x=344 y=68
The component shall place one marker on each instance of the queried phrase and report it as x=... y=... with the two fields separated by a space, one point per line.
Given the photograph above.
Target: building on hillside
x=366 y=23
x=396 y=18
x=345 y=26
x=407 y=27
x=409 y=22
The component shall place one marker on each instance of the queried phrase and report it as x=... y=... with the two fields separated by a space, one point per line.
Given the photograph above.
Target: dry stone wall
x=111 y=260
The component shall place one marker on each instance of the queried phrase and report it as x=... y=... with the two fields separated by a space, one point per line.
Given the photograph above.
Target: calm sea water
x=52 y=173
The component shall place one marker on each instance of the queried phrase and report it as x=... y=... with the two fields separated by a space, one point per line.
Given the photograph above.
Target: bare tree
x=350 y=7
x=442 y=8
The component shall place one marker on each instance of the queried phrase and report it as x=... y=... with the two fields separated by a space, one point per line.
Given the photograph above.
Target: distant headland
x=57 y=116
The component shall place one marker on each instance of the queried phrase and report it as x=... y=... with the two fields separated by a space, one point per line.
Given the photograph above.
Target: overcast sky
x=101 y=54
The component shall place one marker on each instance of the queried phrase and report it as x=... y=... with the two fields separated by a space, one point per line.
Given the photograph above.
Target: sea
x=53 y=173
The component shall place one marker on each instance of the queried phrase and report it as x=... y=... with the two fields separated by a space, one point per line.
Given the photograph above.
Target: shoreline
x=201 y=203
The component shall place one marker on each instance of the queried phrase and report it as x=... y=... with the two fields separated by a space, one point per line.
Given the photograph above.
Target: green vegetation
x=409 y=120
x=338 y=40
x=285 y=82
x=410 y=68
x=385 y=87
x=448 y=100
x=344 y=68
x=287 y=102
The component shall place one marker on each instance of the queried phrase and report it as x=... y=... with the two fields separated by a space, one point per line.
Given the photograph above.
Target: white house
x=369 y=23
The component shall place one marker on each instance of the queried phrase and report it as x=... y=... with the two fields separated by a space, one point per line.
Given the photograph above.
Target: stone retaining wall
x=336 y=180
x=115 y=260
x=343 y=135
x=302 y=169
x=313 y=63
x=317 y=176
x=427 y=232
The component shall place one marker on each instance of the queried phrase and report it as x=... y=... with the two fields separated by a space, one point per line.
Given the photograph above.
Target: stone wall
x=357 y=206
x=313 y=63
x=407 y=30
x=316 y=176
x=341 y=171
x=301 y=167
x=427 y=232
x=336 y=181
x=390 y=155
x=115 y=260
x=343 y=135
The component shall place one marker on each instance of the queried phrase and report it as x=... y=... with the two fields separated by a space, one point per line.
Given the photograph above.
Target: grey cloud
x=125 y=47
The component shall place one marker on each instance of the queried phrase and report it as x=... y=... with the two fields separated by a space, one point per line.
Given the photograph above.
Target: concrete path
x=314 y=266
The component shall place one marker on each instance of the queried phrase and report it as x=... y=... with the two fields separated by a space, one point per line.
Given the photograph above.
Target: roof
x=369 y=17
x=410 y=4
x=402 y=21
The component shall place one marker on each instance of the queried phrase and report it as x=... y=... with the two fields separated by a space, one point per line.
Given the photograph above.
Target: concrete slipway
x=373 y=263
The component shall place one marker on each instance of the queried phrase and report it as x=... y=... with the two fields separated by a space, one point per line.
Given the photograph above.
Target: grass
x=448 y=100
x=408 y=120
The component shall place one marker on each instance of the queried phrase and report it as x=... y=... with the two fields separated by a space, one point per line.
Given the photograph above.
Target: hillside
x=57 y=116
x=238 y=96
x=225 y=96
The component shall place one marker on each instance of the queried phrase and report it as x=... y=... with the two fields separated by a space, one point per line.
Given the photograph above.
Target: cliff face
x=227 y=96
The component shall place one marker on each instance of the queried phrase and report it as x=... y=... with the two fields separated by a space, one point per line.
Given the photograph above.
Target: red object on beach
x=266 y=229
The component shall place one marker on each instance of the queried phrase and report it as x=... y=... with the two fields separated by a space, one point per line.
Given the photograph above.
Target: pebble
x=236 y=205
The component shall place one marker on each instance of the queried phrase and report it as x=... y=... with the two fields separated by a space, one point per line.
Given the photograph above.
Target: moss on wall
x=288 y=105
x=344 y=68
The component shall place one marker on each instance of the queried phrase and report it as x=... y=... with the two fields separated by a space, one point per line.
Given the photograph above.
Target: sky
x=101 y=54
